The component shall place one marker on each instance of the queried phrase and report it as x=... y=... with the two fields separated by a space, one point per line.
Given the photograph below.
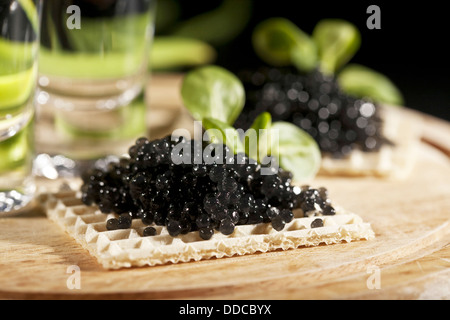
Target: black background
x=410 y=48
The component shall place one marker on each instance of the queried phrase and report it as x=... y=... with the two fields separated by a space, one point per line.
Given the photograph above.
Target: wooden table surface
x=409 y=258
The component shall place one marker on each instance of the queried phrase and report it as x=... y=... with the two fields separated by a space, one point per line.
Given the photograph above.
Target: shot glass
x=93 y=74
x=19 y=48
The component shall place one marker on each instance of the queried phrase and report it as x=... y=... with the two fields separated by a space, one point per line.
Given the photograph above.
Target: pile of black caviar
x=217 y=193
x=314 y=102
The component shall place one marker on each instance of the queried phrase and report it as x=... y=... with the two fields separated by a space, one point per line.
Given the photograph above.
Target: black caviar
x=317 y=223
x=314 y=102
x=215 y=194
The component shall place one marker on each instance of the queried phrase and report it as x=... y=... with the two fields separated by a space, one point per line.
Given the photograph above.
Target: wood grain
x=409 y=259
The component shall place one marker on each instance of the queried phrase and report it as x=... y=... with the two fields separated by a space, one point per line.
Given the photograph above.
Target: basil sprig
x=279 y=42
x=333 y=43
x=216 y=97
x=338 y=41
x=362 y=81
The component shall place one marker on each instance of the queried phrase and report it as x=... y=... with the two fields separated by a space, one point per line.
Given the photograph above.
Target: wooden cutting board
x=409 y=259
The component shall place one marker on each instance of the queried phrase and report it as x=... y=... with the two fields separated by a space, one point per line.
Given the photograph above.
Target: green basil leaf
x=280 y=42
x=213 y=92
x=220 y=132
x=171 y=52
x=296 y=150
x=337 y=41
x=257 y=139
x=218 y=26
x=361 y=81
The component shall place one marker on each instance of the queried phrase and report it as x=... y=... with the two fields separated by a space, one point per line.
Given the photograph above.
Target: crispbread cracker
x=391 y=161
x=128 y=248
